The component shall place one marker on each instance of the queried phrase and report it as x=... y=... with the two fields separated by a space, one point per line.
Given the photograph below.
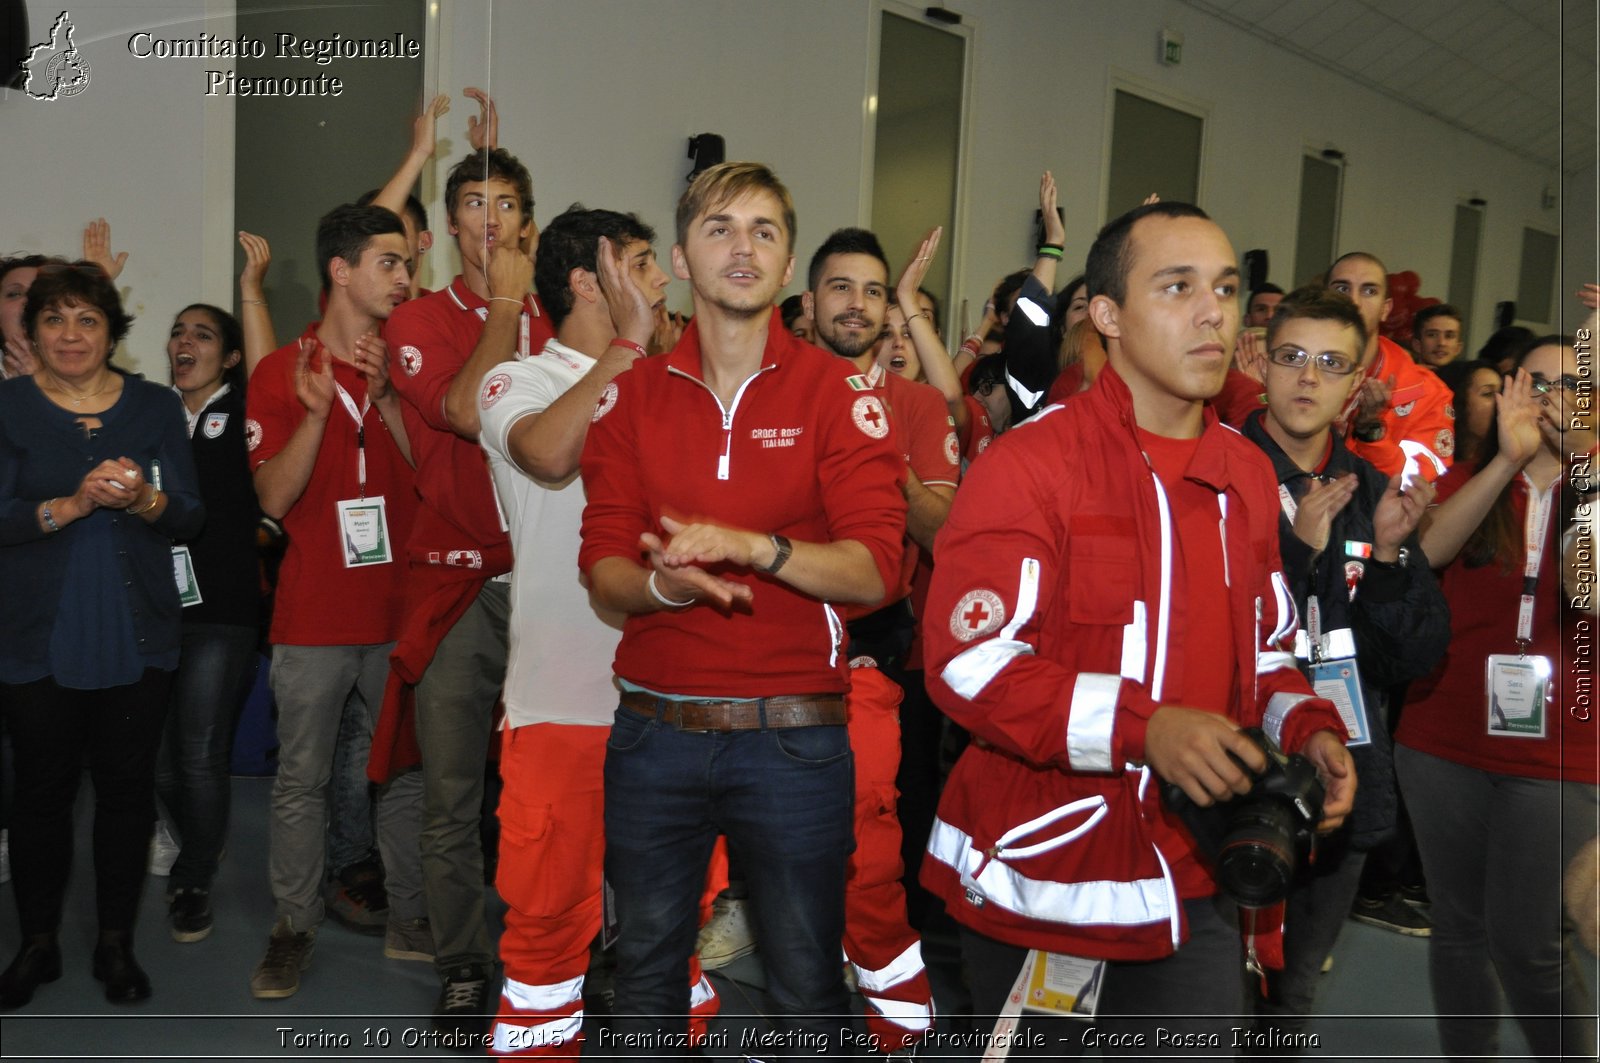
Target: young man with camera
x=1107 y=606
x=1372 y=615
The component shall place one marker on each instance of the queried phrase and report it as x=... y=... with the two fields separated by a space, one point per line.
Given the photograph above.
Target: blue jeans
x=784 y=799
x=208 y=690
x=351 y=814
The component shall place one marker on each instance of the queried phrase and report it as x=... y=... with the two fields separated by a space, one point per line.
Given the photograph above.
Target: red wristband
x=629 y=345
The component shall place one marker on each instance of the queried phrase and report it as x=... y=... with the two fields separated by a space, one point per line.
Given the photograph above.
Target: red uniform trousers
x=552 y=849
x=878 y=941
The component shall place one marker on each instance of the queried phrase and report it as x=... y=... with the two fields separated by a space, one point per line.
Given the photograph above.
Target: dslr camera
x=1256 y=840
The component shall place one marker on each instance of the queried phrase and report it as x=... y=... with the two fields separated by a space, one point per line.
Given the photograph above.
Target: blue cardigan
x=95 y=604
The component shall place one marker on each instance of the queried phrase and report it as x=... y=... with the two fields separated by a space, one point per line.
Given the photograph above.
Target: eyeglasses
x=986 y=388
x=1565 y=382
x=1291 y=357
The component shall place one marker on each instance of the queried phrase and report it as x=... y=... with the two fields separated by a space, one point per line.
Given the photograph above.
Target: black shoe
x=38 y=962
x=357 y=899
x=1392 y=913
x=126 y=982
x=462 y=1013
x=1416 y=895
x=189 y=914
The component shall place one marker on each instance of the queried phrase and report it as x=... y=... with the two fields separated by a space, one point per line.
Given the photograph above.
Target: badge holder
x=1338 y=680
x=364 y=532
x=1517 y=691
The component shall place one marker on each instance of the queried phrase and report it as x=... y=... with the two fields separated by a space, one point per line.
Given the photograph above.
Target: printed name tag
x=1516 y=690
x=1339 y=681
x=183 y=572
x=364 y=532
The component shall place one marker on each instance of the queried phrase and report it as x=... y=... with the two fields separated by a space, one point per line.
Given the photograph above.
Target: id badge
x=364 y=532
x=183 y=572
x=1339 y=681
x=1516 y=694
x=1064 y=985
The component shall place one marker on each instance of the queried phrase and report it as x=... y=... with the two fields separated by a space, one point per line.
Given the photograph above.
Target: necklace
x=78 y=400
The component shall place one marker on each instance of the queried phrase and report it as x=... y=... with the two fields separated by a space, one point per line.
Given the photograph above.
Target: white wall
x=599 y=99
x=141 y=146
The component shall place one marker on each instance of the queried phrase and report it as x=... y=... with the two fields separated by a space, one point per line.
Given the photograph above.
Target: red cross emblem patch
x=494 y=389
x=411 y=360
x=608 y=399
x=976 y=614
x=870 y=416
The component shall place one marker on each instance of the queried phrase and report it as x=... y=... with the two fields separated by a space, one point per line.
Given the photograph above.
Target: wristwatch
x=784 y=548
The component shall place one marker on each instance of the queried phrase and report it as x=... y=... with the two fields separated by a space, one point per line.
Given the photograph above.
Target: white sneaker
x=728 y=936
x=163 y=850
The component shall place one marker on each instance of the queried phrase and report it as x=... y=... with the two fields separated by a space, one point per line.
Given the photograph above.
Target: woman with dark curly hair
x=96 y=479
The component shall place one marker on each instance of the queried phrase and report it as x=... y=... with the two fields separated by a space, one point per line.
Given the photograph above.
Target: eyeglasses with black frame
x=1565 y=382
x=1291 y=357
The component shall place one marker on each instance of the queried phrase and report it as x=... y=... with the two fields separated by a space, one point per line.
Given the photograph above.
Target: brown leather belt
x=722 y=717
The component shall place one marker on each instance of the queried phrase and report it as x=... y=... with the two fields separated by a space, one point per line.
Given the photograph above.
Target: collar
x=570 y=356
x=685 y=355
x=194 y=418
x=1212 y=462
x=466 y=299
x=1338 y=462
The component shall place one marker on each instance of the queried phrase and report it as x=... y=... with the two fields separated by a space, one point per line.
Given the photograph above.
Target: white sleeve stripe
x=1029 y=398
x=1288 y=616
x=1278 y=710
x=1271 y=661
x=1091 y=720
x=902 y=968
x=973 y=669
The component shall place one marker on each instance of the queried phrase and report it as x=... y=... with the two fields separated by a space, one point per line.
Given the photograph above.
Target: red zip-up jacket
x=803 y=450
x=1054 y=621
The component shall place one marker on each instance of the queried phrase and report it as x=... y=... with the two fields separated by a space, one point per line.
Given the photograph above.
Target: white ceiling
x=1518 y=73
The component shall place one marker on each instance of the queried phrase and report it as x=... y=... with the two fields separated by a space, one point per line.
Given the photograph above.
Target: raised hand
x=313 y=386
x=1520 y=414
x=257 y=257
x=97 y=248
x=911 y=277
x=483 y=129
x=1375 y=397
x=371 y=358
x=1250 y=355
x=1313 y=519
x=1398 y=513
x=1054 y=231
x=1589 y=295
x=424 y=131
x=19 y=359
x=631 y=314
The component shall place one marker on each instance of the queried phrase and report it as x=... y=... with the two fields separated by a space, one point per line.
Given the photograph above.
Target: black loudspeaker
x=707 y=150
x=1504 y=314
x=1255 y=269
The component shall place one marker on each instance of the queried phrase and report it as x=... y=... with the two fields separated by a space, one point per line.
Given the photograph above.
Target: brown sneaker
x=288 y=953
x=357 y=899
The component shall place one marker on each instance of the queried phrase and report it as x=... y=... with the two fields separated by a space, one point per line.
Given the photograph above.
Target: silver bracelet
x=49 y=521
x=655 y=593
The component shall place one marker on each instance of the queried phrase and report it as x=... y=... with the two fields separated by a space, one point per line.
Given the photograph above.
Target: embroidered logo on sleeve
x=1445 y=443
x=1405 y=411
x=215 y=423
x=411 y=360
x=976 y=614
x=870 y=416
x=1353 y=571
x=494 y=390
x=952 y=449
x=608 y=402
x=252 y=433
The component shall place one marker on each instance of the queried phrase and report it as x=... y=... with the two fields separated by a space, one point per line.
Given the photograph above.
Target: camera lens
x=1256 y=859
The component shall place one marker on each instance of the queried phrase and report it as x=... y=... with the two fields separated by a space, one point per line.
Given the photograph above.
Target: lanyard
x=1535 y=529
x=359 y=417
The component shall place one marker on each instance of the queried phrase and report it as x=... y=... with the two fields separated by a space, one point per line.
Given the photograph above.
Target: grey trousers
x=1491 y=847
x=312 y=685
x=455 y=717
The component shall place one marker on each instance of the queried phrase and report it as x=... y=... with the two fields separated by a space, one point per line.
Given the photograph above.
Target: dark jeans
x=1318 y=908
x=54 y=730
x=784 y=798
x=208 y=691
x=1186 y=1004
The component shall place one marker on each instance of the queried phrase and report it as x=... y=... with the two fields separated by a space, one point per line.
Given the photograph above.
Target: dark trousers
x=1187 y=1003
x=208 y=692
x=54 y=732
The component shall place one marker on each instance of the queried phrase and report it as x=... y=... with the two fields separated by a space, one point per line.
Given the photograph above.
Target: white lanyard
x=1535 y=529
x=359 y=417
x=522 y=321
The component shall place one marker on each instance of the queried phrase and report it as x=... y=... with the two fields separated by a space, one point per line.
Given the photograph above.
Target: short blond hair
x=726 y=182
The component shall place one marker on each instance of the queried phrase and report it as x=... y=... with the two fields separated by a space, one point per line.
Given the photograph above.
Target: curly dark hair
x=74 y=284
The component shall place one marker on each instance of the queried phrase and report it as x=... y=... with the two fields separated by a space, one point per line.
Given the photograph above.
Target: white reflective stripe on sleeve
x=1137 y=903
x=525 y=997
x=1341 y=642
x=702 y=992
x=1288 y=616
x=1135 y=644
x=1029 y=398
x=1272 y=660
x=1414 y=450
x=1091 y=719
x=1163 y=612
x=835 y=634
x=906 y=1014
x=1278 y=709
x=1003 y=846
x=973 y=669
x=1033 y=311
x=1172 y=894
x=510 y=1038
x=903 y=967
